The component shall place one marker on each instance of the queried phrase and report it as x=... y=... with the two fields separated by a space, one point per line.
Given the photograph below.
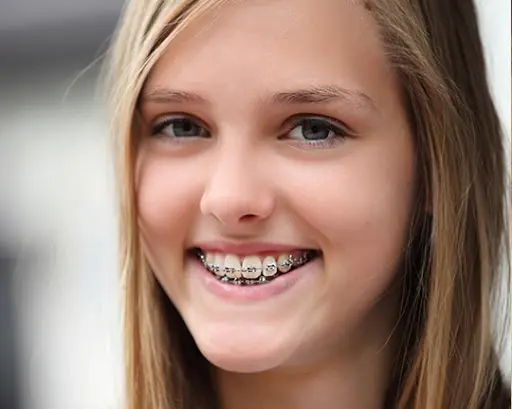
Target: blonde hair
x=448 y=359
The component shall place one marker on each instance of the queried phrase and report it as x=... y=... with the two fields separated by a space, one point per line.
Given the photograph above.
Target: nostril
x=248 y=217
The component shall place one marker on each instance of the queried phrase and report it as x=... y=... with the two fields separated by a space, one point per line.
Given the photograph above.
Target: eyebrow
x=313 y=95
x=167 y=96
x=323 y=94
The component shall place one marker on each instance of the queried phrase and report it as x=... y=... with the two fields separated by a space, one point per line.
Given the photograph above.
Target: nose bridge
x=231 y=170
x=236 y=187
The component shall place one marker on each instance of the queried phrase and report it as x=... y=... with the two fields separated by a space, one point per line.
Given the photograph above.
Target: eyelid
x=300 y=117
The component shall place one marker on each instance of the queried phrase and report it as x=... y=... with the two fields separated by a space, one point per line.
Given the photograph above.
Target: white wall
x=56 y=168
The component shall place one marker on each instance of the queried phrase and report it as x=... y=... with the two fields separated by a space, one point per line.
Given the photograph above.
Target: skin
x=254 y=178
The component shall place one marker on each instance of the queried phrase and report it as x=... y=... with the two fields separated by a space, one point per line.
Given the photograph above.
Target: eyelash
x=339 y=130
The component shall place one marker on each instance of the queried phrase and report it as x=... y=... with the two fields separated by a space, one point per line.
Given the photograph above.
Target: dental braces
x=272 y=271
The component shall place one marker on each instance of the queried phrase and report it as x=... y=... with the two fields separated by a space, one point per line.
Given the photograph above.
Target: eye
x=318 y=131
x=180 y=127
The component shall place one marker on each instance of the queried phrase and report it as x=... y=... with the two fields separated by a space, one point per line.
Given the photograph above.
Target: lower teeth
x=246 y=281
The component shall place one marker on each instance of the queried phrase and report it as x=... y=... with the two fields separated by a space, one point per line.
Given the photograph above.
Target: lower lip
x=256 y=292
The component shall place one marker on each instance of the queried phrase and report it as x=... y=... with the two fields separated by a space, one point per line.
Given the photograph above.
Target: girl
x=312 y=204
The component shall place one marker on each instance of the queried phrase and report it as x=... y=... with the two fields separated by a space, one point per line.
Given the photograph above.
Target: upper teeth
x=250 y=267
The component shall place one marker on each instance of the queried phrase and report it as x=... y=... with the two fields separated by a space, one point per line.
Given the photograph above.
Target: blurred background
x=60 y=315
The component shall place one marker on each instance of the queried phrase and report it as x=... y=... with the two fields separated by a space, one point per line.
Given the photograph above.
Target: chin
x=244 y=351
x=242 y=361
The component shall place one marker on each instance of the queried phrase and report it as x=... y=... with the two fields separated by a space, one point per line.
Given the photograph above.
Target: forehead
x=276 y=44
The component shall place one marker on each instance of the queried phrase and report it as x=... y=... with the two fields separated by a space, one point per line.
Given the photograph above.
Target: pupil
x=184 y=127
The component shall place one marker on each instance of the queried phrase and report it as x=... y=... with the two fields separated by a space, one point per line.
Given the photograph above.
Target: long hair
x=448 y=359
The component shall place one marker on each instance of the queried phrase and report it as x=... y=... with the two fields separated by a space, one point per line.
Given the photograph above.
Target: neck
x=356 y=381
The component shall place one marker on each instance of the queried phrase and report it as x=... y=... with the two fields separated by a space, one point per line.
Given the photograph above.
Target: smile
x=254 y=269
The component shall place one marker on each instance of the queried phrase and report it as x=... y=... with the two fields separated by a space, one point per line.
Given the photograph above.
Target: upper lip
x=244 y=249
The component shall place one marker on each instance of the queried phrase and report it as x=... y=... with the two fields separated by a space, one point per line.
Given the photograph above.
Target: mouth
x=253 y=269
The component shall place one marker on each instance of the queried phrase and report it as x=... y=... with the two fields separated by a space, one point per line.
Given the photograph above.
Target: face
x=274 y=133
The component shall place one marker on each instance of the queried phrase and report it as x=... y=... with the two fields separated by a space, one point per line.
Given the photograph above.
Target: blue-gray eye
x=316 y=129
x=180 y=127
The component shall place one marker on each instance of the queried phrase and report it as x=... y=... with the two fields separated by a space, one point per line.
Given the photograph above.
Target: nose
x=237 y=192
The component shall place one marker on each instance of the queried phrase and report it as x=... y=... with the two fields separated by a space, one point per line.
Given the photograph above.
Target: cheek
x=360 y=207
x=165 y=201
x=164 y=198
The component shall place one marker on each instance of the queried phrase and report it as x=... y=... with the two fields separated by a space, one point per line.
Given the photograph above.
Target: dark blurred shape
x=9 y=365
x=51 y=32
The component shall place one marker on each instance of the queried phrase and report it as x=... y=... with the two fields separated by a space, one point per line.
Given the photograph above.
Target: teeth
x=284 y=263
x=232 y=267
x=269 y=266
x=210 y=260
x=218 y=264
x=251 y=267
